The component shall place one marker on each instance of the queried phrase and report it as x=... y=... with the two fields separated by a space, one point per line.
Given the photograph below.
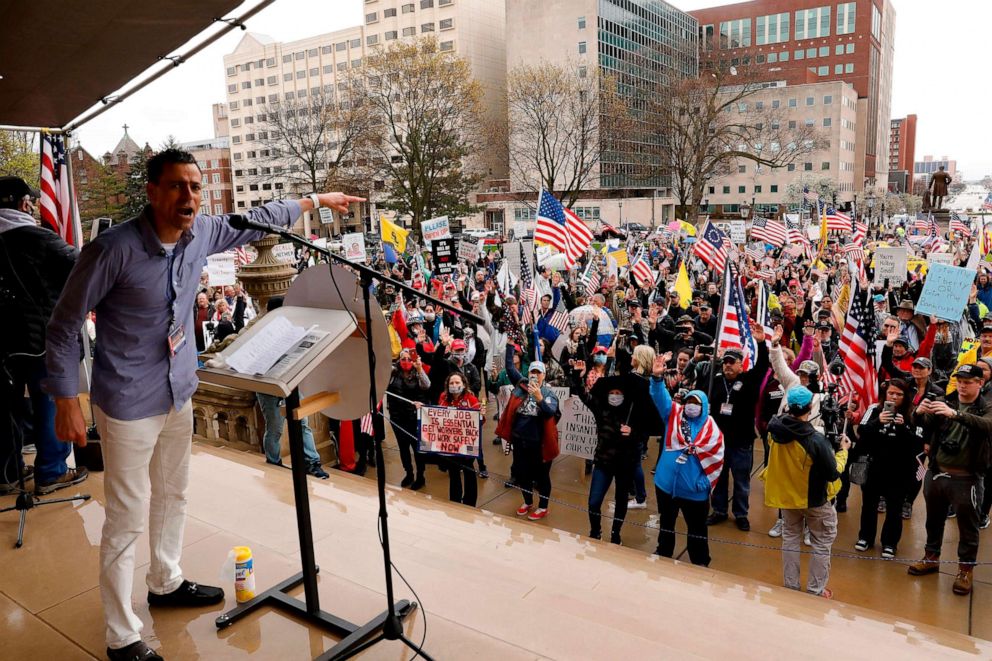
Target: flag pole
x=716 y=340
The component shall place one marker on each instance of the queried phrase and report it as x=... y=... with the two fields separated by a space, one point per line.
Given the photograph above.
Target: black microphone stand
x=392 y=629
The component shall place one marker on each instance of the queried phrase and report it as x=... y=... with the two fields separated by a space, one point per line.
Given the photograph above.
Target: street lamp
x=870 y=201
x=745 y=211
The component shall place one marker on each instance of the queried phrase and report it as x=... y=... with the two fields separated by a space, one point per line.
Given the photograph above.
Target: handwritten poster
x=435 y=228
x=945 y=292
x=450 y=431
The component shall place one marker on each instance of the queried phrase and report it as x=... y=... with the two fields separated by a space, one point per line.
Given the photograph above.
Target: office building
x=902 y=153
x=807 y=41
x=214 y=158
x=262 y=70
x=923 y=169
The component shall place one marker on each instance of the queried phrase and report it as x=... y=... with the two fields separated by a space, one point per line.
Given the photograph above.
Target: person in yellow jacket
x=801 y=466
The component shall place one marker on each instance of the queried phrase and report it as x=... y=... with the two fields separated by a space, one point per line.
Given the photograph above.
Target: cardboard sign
x=945 y=293
x=543 y=254
x=284 y=252
x=221 y=270
x=450 y=431
x=443 y=252
x=435 y=228
x=738 y=232
x=468 y=250
x=890 y=263
x=940 y=258
x=576 y=428
x=511 y=252
x=326 y=216
x=354 y=247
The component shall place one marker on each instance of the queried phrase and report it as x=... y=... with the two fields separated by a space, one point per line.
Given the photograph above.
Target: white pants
x=146 y=465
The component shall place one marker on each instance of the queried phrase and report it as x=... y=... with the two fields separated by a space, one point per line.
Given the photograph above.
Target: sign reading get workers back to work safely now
x=451 y=431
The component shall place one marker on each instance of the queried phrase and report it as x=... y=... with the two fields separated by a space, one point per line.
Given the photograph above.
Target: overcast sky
x=941 y=52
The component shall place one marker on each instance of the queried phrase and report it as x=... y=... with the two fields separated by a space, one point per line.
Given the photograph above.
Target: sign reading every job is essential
x=450 y=431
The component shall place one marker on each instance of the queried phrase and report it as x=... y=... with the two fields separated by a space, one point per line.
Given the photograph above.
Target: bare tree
x=825 y=187
x=427 y=111
x=707 y=125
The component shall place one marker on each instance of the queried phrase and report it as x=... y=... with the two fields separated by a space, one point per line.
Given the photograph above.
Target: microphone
x=239 y=222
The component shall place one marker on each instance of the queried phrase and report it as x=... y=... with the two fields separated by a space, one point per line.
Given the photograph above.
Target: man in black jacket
x=960 y=433
x=733 y=400
x=34 y=265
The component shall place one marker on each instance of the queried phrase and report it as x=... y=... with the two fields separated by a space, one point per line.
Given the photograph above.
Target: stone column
x=266 y=276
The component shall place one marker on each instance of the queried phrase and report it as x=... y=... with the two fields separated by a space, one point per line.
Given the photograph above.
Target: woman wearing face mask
x=462 y=484
x=410 y=382
x=620 y=433
x=688 y=467
x=599 y=368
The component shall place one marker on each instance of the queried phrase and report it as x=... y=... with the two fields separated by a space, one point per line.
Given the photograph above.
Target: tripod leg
x=20 y=529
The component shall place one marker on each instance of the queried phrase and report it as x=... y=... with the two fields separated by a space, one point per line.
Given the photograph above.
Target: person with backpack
x=688 y=467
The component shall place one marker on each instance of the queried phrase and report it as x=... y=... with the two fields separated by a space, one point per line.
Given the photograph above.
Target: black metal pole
x=302 y=503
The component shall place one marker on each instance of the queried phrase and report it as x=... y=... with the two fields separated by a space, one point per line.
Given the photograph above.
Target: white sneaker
x=632 y=504
x=806 y=539
x=776 y=530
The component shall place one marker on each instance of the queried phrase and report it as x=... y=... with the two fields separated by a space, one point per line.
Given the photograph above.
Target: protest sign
x=354 y=246
x=443 y=252
x=284 y=252
x=890 y=263
x=435 y=228
x=543 y=254
x=450 y=431
x=326 y=216
x=512 y=253
x=576 y=428
x=946 y=291
x=738 y=231
x=220 y=269
x=940 y=258
x=468 y=250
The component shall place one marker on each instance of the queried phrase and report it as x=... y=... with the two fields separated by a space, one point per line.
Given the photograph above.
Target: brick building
x=214 y=158
x=797 y=42
x=902 y=153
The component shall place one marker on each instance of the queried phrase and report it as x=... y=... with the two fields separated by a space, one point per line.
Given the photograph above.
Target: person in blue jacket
x=689 y=465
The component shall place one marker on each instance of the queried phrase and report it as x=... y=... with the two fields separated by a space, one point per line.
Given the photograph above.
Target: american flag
x=762 y=315
x=561 y=228
x=860 y=232
x=57 y=203
x=857 y=349
x=712 y=246
x=810 y=196
x=922 y=222
x=855 y=251
x=592 y=279
x=837 y=221
x=528 y=295
x=754 y=252
x=241 y=256
x=559 y=317
x=933 y=238
x=796 y=236
x=960 y=224
x=641 y=270
x=735 y=328
x=367 y=427
x=769 y=231
x=987 y=204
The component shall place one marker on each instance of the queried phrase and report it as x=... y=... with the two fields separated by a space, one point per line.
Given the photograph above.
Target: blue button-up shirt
x=124 y=276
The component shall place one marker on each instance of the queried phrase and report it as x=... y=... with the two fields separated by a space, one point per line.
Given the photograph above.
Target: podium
x=324 y=371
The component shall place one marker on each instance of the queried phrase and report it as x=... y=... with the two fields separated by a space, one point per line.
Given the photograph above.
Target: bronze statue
x=939 y=182
x=926 y=201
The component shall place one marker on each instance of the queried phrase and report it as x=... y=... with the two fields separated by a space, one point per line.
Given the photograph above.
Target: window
x=813 y=23
x=340 y=46
x=447 y=23
x=247 y=102
x=409 y=32
x=792 y=123
x=792 y=103
x=845 y=17
x=356 y=63
x=447 y=45
x=312 y=52
x=252 y=186
x=735 y=34
x=774 y=188
x=389 y=13
x=325 y=50
x=299 y=56
x=839 y=49
x=356 y=43
x=583 y=72
x=791 y=167
x=232 y=89
x=582 y=47
x=371 y=18
x=741 y=169
x=760 y=59
x=342 y=66
x=757 y=188
x=582 y=22
x=372 y=39
x=328 y=68
x=315 y=71
x=809 y=122
x=759 y=105
x=810 y=101
x=272 y=80
x=245 y=85
x=706 y=38
x=876 y=23
x=776 y=103
x=249 y=120
x=849 y=48
x=273 y=98
x=827 y=100
x=712 y=190
x=215 y=178
x=824 y=51
x=249 y=137
x=231 y=71
x=799 y=54
x=825 y=165
x=823 y=71
x=235 y=122
x=408 y=8
x=426 y=4
x=849 y=67
x=726 y=190
x=808 y=167
x=771 y=29
x=444 y=3
x=287 y=77
x=233 y=105
x=783 y=56
x=302 y=94
x=810 y=52
x=390 y=35
x=301 y=74
x=772 y=58
x=290 y=96
x=427 y=27
x=827 y=122
x=236 y=139
x=742 y=189
x=838 y=69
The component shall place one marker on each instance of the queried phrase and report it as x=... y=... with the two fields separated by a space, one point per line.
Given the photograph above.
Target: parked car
x=635 y=227
x=478 y=233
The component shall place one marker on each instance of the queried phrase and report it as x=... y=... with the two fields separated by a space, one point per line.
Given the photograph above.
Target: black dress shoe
x=188 y=594
x=134 y=652
x=714 y=518
x=407 y=481
x=743 y=524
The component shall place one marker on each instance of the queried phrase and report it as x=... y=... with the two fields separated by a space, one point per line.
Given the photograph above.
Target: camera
x=837 y=366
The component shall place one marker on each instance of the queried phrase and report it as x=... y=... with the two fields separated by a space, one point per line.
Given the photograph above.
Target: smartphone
x=888 y=407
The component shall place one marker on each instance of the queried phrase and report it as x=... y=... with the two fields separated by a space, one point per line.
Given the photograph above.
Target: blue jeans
x=602 y=477
x=49 y=463
x=737 y=462
x=274 y=423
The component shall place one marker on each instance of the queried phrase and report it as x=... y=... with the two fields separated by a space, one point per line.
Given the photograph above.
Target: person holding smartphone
x=891 y=438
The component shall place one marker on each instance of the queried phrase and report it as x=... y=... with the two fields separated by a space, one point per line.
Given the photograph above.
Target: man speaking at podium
x=141 y=277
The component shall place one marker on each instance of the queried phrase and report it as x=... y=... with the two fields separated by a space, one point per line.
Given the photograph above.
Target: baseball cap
x=598 y=349
x=923 y=362
x=732 y=354
x=685 y=319
x=969 y=372
x=536 y=366
x=799 y=397
x=458 y=345
x=902 y=339
x=824 y=325
x=985 y=329
x=808 y=367
x=12 y=189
